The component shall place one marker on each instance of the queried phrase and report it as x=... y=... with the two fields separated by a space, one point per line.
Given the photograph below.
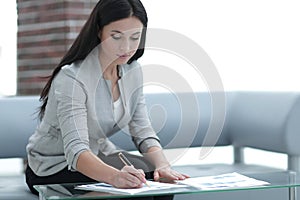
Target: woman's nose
x=125 y=45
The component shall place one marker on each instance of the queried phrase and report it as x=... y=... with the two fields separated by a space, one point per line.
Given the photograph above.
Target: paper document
x=153 y=186
x=223 y=181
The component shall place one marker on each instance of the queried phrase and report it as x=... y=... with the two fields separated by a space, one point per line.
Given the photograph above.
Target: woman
x=95 y=91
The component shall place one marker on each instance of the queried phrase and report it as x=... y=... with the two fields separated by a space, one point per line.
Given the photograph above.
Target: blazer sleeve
x=72 y=116
x=141 y=129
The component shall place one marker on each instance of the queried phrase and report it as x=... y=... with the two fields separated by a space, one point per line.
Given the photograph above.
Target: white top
x=118 y=109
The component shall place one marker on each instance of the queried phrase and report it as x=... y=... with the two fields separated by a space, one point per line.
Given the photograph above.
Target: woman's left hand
x=168 y=174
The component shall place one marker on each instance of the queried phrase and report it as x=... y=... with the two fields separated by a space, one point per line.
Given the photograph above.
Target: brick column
x=46 y=29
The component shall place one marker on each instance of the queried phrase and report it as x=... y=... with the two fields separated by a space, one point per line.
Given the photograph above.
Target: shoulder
x=71 y=69
x=67 y=76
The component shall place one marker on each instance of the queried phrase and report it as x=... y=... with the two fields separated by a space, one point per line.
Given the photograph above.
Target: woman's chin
x=121 y=61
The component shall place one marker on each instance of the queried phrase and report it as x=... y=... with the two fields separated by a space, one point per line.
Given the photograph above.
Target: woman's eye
x=135 y=38
x=116 y=36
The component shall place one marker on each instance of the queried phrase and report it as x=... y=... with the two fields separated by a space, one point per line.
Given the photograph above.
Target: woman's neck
x=109 y=69
x=111 y=73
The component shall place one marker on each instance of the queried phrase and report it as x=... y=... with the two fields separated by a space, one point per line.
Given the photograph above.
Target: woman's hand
x=167 y=174
x=129 y=177
x=163 y=171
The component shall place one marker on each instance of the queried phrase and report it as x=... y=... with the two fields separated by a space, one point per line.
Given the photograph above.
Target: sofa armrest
x=267 y=121
x=18 y=121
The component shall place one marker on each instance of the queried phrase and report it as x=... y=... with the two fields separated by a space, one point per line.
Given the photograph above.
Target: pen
x=127 y=163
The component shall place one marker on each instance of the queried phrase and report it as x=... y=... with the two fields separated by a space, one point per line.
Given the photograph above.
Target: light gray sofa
x=262 y=120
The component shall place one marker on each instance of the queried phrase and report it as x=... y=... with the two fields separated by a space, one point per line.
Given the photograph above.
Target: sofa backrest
x=183 y=120
x=264 y=120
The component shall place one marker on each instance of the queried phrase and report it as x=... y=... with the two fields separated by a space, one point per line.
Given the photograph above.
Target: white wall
x=8 y=43
x=255 y=44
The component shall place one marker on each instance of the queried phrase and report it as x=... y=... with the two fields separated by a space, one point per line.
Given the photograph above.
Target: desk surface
x=68 y=191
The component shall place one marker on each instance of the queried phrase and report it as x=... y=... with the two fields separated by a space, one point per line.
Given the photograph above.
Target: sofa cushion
x=13 y=187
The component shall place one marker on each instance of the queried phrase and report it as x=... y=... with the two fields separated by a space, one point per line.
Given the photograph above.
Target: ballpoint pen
x=128 y=163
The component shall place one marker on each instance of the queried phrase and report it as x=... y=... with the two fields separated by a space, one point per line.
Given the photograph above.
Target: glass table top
x=68 y=191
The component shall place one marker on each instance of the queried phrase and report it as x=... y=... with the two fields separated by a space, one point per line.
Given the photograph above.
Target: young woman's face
x=120 y=40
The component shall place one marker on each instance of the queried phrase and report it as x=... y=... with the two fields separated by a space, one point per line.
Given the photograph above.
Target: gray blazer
x=79 y=116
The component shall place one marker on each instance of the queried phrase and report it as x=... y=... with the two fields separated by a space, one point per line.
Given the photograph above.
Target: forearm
x=93 y=167
x=156 y=156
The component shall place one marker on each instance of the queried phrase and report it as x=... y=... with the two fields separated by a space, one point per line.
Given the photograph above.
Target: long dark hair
x=105 y=12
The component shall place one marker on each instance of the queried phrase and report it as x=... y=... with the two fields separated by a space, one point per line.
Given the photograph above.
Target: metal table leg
x=292 y=190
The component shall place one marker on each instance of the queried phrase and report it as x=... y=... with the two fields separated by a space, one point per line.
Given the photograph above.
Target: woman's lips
x=124 y=56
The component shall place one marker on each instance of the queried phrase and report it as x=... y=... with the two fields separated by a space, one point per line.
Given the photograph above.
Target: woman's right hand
x=129 y=177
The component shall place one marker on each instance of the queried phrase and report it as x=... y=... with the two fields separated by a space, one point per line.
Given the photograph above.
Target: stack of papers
x=223 y=181
x=153 y=186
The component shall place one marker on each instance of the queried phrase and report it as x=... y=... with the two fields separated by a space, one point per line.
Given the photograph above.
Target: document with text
x=151 y=187
x=222 y=181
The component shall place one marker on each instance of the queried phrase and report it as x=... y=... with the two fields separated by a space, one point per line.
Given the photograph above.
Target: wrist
x=162 y=165
x=156 y=156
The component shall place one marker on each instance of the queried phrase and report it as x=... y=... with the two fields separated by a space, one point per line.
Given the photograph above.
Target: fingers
x=136 y=172
x=127 y=180
x=173 y=176
x=132 y=181
x=135 y=176
x=156 y=175
x=186 y=176
x=179 y=176
x=168 y=175
x=142 y=172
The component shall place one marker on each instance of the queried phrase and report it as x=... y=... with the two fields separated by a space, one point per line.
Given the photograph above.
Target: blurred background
x=255 y=45
x=8 y=47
